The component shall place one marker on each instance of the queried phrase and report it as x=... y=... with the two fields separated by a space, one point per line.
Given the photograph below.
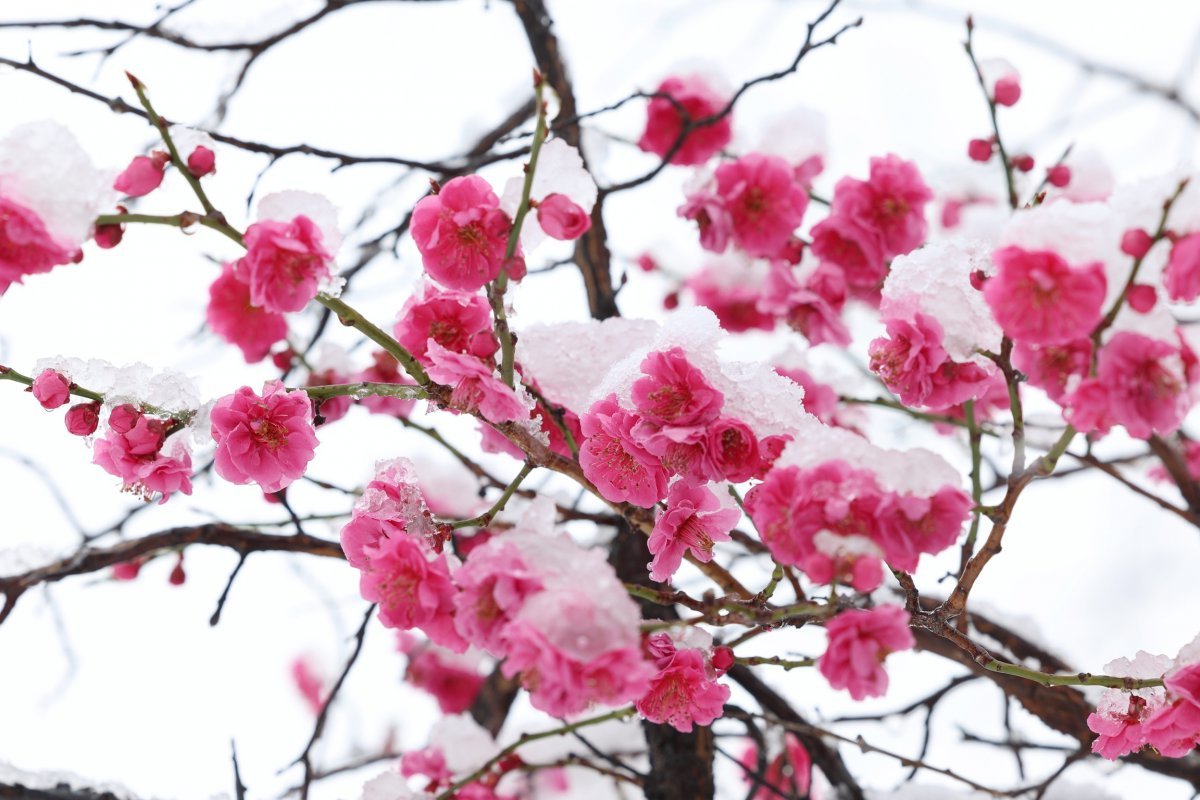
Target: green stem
x=499 y=286
x=787 y=664
x=769 y=589
x=1078 y=679
x=526 y=738
x=976 y=483
x=7 y=374
x=183 y=220
x=353 y=318
x=367 y=389
x=486 y=517
x=163 y=131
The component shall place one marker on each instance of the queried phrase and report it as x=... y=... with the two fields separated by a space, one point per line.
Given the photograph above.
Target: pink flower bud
x=1023 y=162
x=722 y=659
x=1142 y=297
x=127 y=570
x=1135 y=242
x=178 y=576
x=646 y=262
x=1059 y=175
x=980 y=150
x=51 y=389
x=109 y=236
x=1008 y=90
x=143 y=175
x=562 y=218
x=671 y=301
x=83 y=418
x=201 y=162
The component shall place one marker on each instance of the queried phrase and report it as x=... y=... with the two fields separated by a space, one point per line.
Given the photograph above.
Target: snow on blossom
x=685 y=691
x=232 y=316
x=458 y=321
x=730 y=287
x=267 y=439
x=859 y=641
x=1119 y=716
x=42 y=226
x=698 y=98
x=391 y=503
x=462 y=233
x=693 y=521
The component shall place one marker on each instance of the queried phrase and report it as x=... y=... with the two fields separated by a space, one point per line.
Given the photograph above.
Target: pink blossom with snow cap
x=859 y=641
x=267 y=439
x=51 y=389
x=693 y=521
x=912 y=362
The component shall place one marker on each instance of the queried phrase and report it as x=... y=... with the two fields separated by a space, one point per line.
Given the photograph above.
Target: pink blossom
x=309 y=684
x=684 y=693
x=910 y=524
x=1142 y=297
x=665 y=118
x=127 y=570
x=1136 y=242
x=83 y=418
x=130 y=450
x=494 y=582
x=820 y=399
x=201 y=161
x=1040 y=299
x=51 y=388
x=890 y=202
x=1184 y=682
x=1174 y=729
x=674 y=398
x=1059 y=175
x=458 y=321
x=1182 y=275
x=235 y=319
x=980 y=150
x=386 y=369
x=462 y=233
x=562 y=218
x=1118 y=724
x=1051 y=367
x=453 y=684
x=764 y=201
x=844 y=242
x=475 y=386
x=1139 y=384
x=330 y=409
x=708 y=210
x=735 y=304
x=562 y=684
x=1007 y=90
x=268 y=440
x=615 y=461
x=26 y=247
x=859 y=641
x=812 y=308
x=284 y=263
x=143 y=175
x=413 y=589
x=847 y=560
x=912 y=362
x=789 y=774
x=731 y=451
x=429 y=762
x=693 y=520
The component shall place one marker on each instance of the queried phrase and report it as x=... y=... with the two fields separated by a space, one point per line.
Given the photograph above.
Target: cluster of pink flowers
x=912 y=361
x=859 y=641
x=788 y=774
x=1166 y=718
x=835 y=522
x=267 y=439
x=685 y=692
x=133 y=450
x=453 y=679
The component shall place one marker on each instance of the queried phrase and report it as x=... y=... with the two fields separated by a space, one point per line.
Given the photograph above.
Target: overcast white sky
x=128 y=683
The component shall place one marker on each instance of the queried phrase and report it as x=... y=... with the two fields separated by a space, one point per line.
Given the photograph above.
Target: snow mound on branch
x=51 y=780
x=137 y=383
x=43 y=167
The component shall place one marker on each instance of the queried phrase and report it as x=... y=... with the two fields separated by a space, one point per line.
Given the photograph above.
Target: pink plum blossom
x=131 y=450
x=1040 y=299
x=83 y=418
x=615 y=461
x=284 y=263
x=413 y=589
x=267 y=439
x=890 y=202
x=735 y=304
x=458 y=321
x=693 y=520
x=684 y=692
x=143 y=175
x=912 y=362
x=841 y=241
x=462 y=233
x=562 y=218
x=731 y=451
x=309 y=684
x=813 y=307
x=764 y=201
x=910 y=524
x=1051 y=367
x=446 y=676
x=235 y=319
x=1139 y=384
x=475 y=386
x=664 y=121
x=494 y=583
x=708 y=210
x=1183 y=269
x=859 y=641
x=26 y=247
x=789 y=774
x=51 y=389
x=674 y=399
